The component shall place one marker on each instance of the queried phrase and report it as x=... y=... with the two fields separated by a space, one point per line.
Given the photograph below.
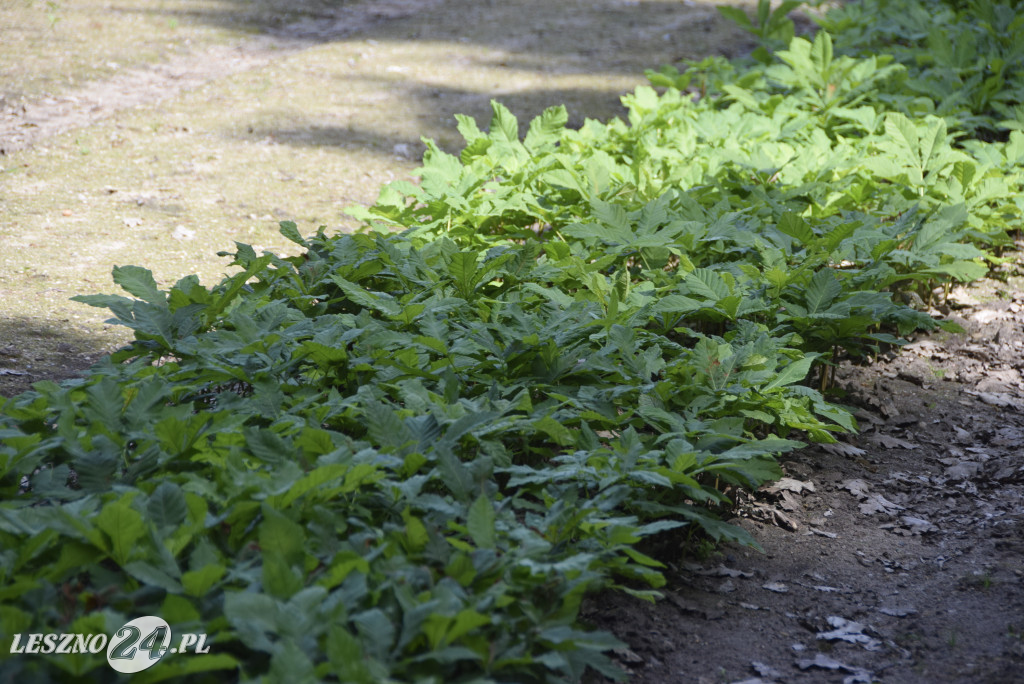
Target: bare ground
x=158 y=132
x=896 y=556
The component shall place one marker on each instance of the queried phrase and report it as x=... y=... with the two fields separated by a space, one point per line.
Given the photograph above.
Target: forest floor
x=156 y=132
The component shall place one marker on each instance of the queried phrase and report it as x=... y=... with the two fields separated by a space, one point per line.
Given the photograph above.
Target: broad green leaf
x=796 y=227
x=279 y=534
x=151 y=575
x=415 y=531
x=166 y=505
x=964 y=271
x=504 y=126
x=821 y=291
x=123 y=525
x=466 y=621
x=677 y=304
x=736 y=15
x=199 y=582
x=468 y=128
x=291 y=231
x=139 y=282
x=332 y=473
x=546 y=129
x=280 y=579
x=706 y=283
x=463 y=269
x=794 y=372
x=480 y=522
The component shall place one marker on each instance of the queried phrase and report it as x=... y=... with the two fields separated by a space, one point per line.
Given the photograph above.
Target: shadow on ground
x=567 y=27
x=434 y=112
x=33 y=350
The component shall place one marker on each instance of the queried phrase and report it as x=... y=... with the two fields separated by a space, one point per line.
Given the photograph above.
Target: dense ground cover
x=411 y=455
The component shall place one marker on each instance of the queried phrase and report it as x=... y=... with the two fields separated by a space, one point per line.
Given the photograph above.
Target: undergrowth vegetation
x=409 y=454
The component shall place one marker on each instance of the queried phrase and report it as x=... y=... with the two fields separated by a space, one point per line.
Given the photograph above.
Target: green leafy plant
x=773 y=27
x=409 y=453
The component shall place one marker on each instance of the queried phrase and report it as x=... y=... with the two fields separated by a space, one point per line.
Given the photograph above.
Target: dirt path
x=159 y=132
x=25 y=123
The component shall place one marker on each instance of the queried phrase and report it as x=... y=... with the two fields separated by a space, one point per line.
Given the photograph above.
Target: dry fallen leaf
x=843 y=449
x=859 y=488
x=849 y=631
x=722 y=571
x=766 y=670
x=893 y=442
x=918 y=525
x=788 y=484
x=824 y=662
x=964 y=470
x=896 y=612
x=876 y=503
x=998 y=399
x=627 y=655
x=790 y=503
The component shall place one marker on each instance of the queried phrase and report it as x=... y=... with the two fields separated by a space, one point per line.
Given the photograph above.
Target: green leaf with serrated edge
x=480 y=522
x=166 y=505
x=677 y=304
x=234 y=285
x=332 y=473
x=291 y=231
x=964 y=271
x=546 y=129
x=821 y=54
x=796 y=227
x=463 y=269
x=140 y=283
x=821 y=291
x=467 y=128
x=706 y=283
x=504 y=127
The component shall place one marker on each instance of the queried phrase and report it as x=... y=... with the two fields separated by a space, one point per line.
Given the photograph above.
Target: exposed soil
x=23 y=123
x=159 y=132
x=896 y=555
